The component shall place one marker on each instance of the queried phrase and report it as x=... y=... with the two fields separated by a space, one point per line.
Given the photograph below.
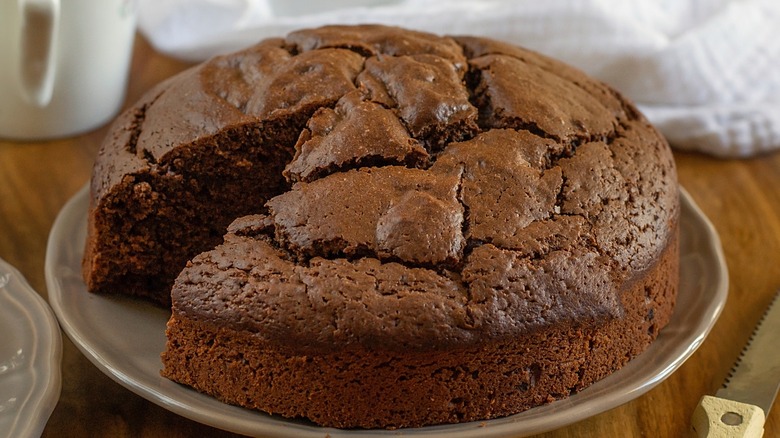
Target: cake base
x=361 y=388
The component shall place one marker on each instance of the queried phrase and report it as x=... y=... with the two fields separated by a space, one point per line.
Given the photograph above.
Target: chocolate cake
x=372 y=227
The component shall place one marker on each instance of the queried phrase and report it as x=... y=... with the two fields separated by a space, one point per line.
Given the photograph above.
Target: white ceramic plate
x=30 y=355
x=124 y=338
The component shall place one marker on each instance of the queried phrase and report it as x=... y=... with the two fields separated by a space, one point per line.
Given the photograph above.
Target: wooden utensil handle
x=720 y=418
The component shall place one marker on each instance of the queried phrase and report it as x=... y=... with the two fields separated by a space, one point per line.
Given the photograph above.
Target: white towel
x=705 y=72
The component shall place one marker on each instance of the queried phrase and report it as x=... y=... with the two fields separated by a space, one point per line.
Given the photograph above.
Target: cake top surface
x=441 y=188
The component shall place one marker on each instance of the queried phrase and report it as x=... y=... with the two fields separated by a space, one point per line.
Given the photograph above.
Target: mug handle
x=37 y=55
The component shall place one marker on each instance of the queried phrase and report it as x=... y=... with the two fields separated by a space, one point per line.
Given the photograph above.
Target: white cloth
x=705 y=72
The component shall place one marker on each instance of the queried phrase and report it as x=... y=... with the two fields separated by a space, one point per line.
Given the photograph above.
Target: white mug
x=63 y=65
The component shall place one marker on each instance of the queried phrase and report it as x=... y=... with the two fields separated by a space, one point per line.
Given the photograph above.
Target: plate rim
x=44 y=362
x=277 y=426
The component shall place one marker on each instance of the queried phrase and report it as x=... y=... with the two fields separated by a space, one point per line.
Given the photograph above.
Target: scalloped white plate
x=124 y=338
x=30 y=355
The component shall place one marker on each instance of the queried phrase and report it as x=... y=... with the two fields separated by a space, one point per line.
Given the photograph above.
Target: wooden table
x=741 y=198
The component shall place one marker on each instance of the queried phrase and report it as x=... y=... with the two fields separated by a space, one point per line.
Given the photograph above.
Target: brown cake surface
x=417 y=229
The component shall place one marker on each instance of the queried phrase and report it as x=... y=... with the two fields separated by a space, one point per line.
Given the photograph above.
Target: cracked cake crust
x=439 y=229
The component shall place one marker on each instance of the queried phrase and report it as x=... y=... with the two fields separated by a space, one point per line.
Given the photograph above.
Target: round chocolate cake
x=372 y=227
